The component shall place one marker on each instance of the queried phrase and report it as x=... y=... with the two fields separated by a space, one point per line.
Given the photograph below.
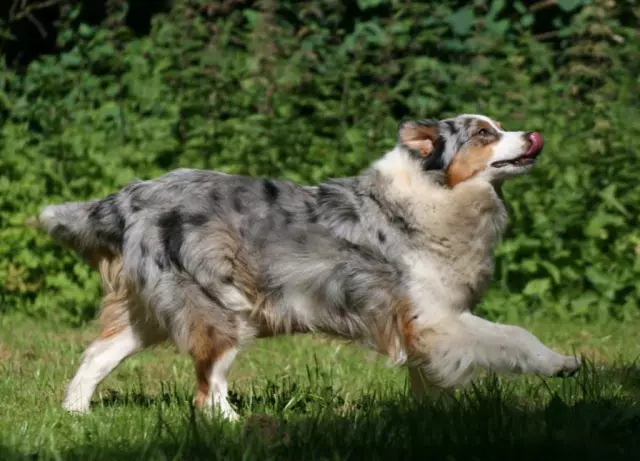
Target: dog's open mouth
x=518 y=161
x=529 y=158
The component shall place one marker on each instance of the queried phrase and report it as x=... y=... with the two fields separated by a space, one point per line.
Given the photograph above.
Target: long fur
x=395 y=258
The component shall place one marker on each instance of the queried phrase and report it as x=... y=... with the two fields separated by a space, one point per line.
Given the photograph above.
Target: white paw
x=567 y=366
x=222 y=408
x=229 y=414
x=556 y=365
x=76 y=405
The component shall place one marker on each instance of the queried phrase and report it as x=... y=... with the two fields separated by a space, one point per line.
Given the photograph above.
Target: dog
x=395 y=258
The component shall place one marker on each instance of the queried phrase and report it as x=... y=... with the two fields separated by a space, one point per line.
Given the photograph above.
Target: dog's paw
x=76 y=406
x=218 y=407
x=568 y=367
x=229 y=414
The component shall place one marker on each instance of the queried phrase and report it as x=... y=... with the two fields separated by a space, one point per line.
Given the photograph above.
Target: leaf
x=569 y=5
x=366 y=4
x=584 y=301
x=496 y=7
x=597 y=226
x=85 y=30
x=252 y=16
x=519 y=7
x=110 y=110
x=498 y=27
x=608 y=194
x=553 y=270
x=462 y=20
x=537 y=287
x=599 y=279
x=65 y=37
x=527 y=20
x=71 y=60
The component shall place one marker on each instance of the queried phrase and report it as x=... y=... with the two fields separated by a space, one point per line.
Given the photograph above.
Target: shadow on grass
x=628 y=376
x=591 y=417
x=169 y=395
x=118 y=399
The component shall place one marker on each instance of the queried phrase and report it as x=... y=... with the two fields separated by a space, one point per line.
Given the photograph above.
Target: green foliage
x=307 y=90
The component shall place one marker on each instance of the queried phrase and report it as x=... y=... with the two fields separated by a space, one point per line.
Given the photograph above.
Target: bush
x=308 y=90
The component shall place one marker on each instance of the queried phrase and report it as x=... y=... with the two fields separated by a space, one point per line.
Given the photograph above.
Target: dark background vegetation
x=95 y=93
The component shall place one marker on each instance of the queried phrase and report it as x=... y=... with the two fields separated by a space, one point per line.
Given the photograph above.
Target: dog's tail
x=96 y=226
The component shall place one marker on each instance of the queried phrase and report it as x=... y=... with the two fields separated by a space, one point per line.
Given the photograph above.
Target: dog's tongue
x=537 y=141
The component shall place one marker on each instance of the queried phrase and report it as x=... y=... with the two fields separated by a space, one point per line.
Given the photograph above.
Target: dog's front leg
x=462 y=343
x=513 y=349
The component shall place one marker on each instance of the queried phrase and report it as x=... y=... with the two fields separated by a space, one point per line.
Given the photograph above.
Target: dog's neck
x=452 y=229
x=424 y=198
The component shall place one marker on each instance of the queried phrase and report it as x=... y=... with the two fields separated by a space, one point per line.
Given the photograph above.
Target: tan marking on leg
x=416 y=340
x=206 y=346
x=118 y=300
x=393 y=333
x=121 y=306
x=114 y=318
x=404 y=313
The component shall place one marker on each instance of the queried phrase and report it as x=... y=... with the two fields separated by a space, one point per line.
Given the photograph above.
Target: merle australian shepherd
x=395 y=258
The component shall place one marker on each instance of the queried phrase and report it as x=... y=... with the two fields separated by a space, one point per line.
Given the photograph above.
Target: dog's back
x=179 y=197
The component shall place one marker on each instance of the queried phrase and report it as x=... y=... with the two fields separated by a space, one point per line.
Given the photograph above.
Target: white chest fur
x=455 y=231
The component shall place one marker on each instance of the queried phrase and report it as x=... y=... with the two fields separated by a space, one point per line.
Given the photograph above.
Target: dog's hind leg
x=463 y=343
x=124 y=332
x=98 y=361
x=213 y=350
x=120 y=338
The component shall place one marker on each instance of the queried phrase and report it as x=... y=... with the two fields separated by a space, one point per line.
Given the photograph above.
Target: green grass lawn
x=308 y=397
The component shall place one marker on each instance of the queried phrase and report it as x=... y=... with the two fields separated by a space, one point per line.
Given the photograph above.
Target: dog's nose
x=537 y=142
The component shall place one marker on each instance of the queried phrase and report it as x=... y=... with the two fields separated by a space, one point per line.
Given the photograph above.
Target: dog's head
x=470 y=146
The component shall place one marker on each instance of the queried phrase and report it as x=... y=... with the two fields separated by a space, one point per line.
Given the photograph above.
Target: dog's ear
x=419 y=136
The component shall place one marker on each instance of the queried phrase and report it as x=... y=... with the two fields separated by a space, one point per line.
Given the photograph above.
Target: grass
x=309 y=398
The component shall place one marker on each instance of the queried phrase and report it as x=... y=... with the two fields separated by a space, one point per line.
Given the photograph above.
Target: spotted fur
x=395 y=258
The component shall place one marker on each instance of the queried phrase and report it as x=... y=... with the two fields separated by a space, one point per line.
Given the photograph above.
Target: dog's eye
x=483 y=132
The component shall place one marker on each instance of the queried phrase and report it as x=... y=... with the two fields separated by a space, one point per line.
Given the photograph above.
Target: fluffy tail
x=86 y=227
